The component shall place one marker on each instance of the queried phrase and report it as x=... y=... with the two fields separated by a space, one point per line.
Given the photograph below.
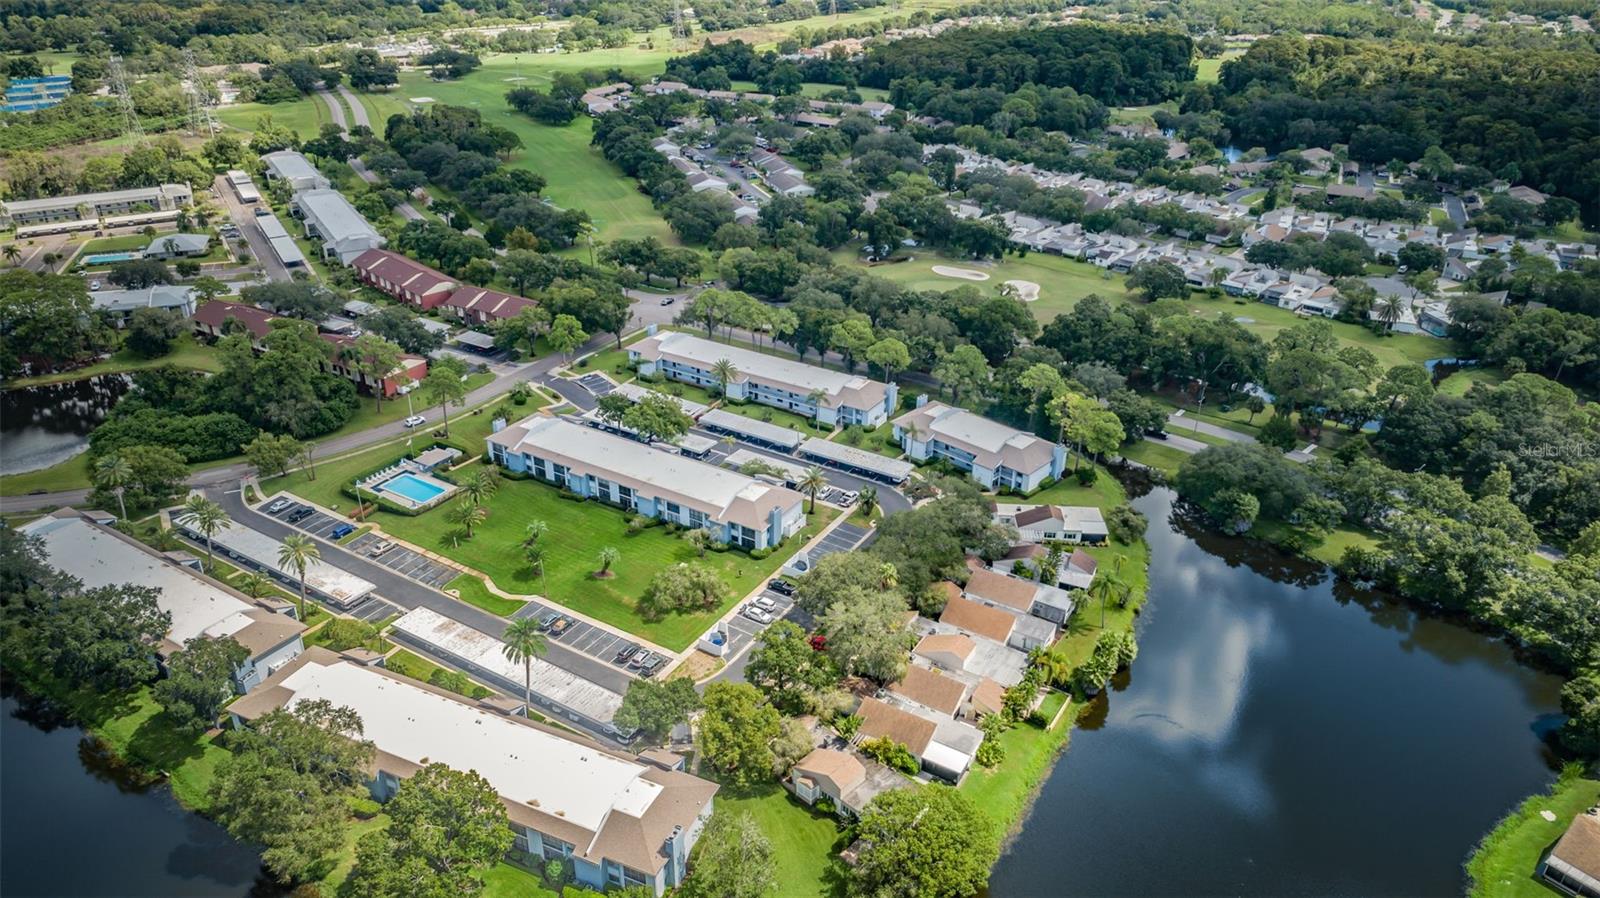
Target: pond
x=46 y=425
x=75 y=823
x=1282 y=734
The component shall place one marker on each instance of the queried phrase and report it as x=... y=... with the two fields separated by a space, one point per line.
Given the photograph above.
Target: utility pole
x=130 y=117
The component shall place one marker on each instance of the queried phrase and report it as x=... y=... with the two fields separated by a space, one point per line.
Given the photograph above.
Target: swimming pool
x=419 y=490
x=105 y=258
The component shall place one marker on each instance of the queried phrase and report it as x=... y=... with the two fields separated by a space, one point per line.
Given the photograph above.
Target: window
x=554 y=848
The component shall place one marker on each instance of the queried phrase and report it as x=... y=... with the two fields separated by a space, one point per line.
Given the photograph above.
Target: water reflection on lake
x=46 y=425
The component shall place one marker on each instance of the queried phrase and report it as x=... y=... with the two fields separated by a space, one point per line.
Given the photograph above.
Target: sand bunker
x=965 y=274
x=1027 y=291
x=421 y=99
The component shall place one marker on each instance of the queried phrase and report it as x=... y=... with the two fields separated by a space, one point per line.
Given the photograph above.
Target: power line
x=130 y=117
x=200 y=118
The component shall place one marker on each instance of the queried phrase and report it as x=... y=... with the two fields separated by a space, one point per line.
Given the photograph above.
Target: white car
x=766 y=604
x=757 y=615
x=415 y=421
x=94 y=285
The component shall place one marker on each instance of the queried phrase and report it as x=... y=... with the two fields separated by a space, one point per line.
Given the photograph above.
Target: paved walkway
x=1178 y=422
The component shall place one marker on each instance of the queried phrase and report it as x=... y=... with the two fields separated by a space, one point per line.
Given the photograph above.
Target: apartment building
x=996 y=456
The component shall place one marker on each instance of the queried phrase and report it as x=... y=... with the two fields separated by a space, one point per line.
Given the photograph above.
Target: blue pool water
x=414 y=488
x=103 y=258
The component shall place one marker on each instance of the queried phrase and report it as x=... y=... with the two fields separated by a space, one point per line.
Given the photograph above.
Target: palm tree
x=523 y=643
x=113 y=472
x=468 y=515
x=296 y=554
x=479 y=487
x=208 y=517
x=535 y=556
x=814 y=482
x=254 y=585
x=13 y=255
x=888 y=576
x=608 y=556
x=869 y=499
x=700 y=539
x=1390 y=309
x=535 y=530
x=815 y=397
x=725 y=372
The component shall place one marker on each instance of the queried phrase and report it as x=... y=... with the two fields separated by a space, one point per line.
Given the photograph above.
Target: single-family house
x=844 y=778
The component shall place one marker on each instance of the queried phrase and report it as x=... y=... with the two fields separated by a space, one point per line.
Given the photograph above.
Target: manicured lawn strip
x=1502 y=865
x=1460 y=382
x=186 y=353
x=505 y=880
x=879 y=440
x=1328 y=551
x=1155 y=455
x=410 y=664
x=781 y=417
x=471 y=590
x=577 y=532
x=805 y=844
x=368 y=416
x=304 y=116
x=1003 y=793
x=681 y=390
x=1104 y=493
x=612 y=361
x=72 y=474
x=120 y=243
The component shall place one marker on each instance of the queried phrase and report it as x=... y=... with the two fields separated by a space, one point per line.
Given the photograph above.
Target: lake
x=46 y=425
x=75 y=823
x=1281 y=734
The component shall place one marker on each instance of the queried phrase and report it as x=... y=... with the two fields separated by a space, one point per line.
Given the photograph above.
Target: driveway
x=245 y=217
x=359 y=113
x=405 y=593
x=1454 y=209
x=1178 y=422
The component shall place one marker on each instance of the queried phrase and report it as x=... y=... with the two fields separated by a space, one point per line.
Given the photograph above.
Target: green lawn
x=1155 y=455
x=805 y=844
x=781 y=417
x=879 y=440
x=1207 y=71
x=1503 y=863
x=1461 y=381
x=578 y=176
x=577 y=531
x=1104 y=493
x=612 y=361
x=368 y=415
x=186 y=353
x=472 y=590
x=304 y=116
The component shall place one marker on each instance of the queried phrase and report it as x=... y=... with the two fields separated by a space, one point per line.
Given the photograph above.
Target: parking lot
x=404 y=561
x=742 y=630
x=374 y=610
x=598 y=384
x=399 y=559
x=602 y=645
x=842 y=538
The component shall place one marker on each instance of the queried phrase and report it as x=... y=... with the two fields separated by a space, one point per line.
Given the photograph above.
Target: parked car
x=781 y=586
x=263 y=211
x=547 y=621
x=300 y=514
x=766 y=604
x=342 y=531
x=651 y=669
x=379 y=547
x=639 y=660
x=668 y=300
x=561 y=625
x=625 y=655
x=94 y=285
x=277 y=505
x=1156 y=434
x=757 y=615
x=415 y=421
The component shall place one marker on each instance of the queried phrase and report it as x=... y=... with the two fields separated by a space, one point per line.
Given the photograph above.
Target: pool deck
x=386 y=489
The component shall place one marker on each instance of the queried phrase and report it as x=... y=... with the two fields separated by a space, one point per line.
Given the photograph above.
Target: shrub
x=343 y=633
x=1087 y=476
x=825 y=805
x=555 y=871
x=890 y=753
x=364 y=808
x=760 y=553
x=1126 y=525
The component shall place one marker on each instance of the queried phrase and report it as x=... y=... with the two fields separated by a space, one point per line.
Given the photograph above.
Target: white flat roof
x=336 y=219
x=859 y=458
x=289 y=164
x=341 y=585
x=98 y=558
x=451 y=637
x=799 y=376
x=571 y=780
x=738 y=458
x=761 y=430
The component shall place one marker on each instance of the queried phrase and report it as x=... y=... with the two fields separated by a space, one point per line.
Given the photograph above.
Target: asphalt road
x=406 y=593
x=1454 y=209
x=245 y=217
x=1178 y=423
x=359 y=113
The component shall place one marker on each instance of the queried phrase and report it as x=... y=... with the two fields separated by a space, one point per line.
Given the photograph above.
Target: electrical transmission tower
x=680 y=28
x=130 y=117
x=200 y=119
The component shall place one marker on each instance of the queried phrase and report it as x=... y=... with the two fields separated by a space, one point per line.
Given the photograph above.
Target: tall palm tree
x=725 y=371
x=468 y=515
x=296 y=554
x=523 y=643
x=869 y=499
x=888 y=576
x=13 y=255
x=608 y=556
x=536 y=529
x=479 y=487
x=113 y=472
x=814 y=482
x=1390 y=310
x=815 y=397
x=208 y=517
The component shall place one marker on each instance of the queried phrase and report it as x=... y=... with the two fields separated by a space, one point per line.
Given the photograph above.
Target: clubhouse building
x=618 y=821
x=741 y=511
x=997 y=456
x=832 y=397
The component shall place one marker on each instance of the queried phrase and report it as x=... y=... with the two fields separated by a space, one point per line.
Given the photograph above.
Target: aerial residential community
x=753 y=450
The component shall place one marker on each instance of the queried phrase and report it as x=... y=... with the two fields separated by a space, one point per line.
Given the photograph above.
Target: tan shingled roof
x=931 y=689
x=968 y=615
x=1001 y=589
x=879 y=721
x=988 y=697
x=953 y=643
x=1579 y=847
x=843 y=768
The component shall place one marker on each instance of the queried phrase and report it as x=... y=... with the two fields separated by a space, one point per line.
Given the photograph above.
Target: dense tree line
x=1523 y=115
x=1117 y=66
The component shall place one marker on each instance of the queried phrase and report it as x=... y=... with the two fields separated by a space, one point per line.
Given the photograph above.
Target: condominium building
x=618 y=822
x=480 y=305
x=997 y=456
x=295 y=170
x=407 y=280
x=100 y=556
x=87 y=206
x=833 y=397
x=330 y=218
x=739 y=510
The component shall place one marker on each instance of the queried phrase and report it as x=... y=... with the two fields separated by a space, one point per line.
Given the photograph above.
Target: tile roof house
x=945 y=747
x=617 y=821
x=407 y=280
x=999 y=590
x=996 y=456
